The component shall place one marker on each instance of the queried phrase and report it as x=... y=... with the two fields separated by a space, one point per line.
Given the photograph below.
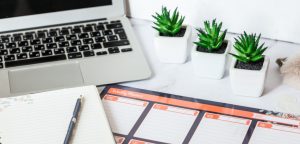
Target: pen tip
x=81 y=97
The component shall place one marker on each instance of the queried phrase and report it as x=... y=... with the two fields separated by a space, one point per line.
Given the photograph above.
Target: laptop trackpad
x=45 y=78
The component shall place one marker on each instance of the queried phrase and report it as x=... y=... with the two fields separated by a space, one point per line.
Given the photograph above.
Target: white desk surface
x=179 y=79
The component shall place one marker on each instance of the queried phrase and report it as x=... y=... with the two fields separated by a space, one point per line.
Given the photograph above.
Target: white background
x=275 y=19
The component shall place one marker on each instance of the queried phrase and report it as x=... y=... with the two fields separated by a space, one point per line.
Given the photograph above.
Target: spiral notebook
x=44 y=118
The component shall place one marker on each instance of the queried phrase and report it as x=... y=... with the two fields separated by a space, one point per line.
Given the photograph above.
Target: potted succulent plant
x=172 y=38
x=248 y=71
x=210 y=53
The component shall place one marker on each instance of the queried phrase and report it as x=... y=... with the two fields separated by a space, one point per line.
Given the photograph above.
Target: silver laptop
x=52 y=44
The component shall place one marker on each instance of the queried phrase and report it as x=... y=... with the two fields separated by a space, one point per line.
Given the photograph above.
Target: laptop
x=53 y=44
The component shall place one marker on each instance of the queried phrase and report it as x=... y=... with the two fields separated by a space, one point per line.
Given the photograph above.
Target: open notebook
x=44 y=118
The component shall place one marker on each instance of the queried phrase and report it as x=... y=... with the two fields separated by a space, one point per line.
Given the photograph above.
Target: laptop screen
x=14 y=8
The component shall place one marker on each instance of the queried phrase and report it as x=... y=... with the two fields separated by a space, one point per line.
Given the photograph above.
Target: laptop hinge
x=55 y=25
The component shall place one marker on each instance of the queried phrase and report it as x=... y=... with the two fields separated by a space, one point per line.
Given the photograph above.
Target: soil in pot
x=179 y=34
x=250 y=66
x=221 y=50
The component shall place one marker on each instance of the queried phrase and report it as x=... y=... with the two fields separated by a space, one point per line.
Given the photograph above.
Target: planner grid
x=140 y=116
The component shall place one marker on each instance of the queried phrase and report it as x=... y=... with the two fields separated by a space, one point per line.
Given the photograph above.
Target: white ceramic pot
x=248 y=82
x=209 y=65
x=172 y=49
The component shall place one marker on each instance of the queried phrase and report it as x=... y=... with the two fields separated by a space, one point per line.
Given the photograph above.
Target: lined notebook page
x=44 y=118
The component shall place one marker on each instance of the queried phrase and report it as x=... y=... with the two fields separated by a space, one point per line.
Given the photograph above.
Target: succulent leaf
x=248 y=48
x=211 y=36
x=168 y=24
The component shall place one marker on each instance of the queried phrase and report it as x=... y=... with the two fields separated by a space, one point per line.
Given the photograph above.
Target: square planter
x=209 y=65
x=248 y=82
x=172 y=49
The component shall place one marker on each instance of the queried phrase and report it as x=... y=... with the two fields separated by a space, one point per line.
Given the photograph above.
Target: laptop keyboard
x=63 y=43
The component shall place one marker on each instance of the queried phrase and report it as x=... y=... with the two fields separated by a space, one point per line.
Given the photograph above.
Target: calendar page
x=139 y=116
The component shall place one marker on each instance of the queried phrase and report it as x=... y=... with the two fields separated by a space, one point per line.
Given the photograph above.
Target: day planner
x=140 y=116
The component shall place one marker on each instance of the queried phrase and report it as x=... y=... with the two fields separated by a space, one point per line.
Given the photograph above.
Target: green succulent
x=166 y=24
x=248 y=48
x=211 y=37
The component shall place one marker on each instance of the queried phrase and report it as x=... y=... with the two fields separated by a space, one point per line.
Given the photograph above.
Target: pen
x=73 y=120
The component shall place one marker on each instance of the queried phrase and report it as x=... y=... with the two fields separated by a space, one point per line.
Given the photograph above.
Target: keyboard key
x=47 y=53
x=92 y=25
x=59 y=51
x=15 y=51
x=30 y=33
x=36 y=42
x=100 y=39
x=64 y=44
x=87 y=29
x=1 y=46
x=116 y=21
x=23 y=43
x=84 y=35
x=22 y=56
x=71 y=37
x=104 y=23
x=108 y=32
x=11 y=45
x=35 y=61
x=17 y=34
x=71 y=49
x=88 y=41
x=116 y=43
x=27 y=49
x=3 y=52
x=78 y=26
x=95 y=34
x=75 y=42
x=88 y=53
x=34 y=54
x=112 y=38
x=84 y=48
x=100 y=27
x=17 y=38
x=41 y=34
x=47 y=40
x=1 y=59
x=1 y=65
x=52 y=33
x=59 y=39
x=113 y=50
x=96 y=46
x=126 y=50
x=118 y=31
x=102 y=53
x=28 y=37
x=66 y=27
x=51 y=46
x=39 y=47
x=114 y=26
x=75 y=55
x=76 y=30
x=64 y=32
x=9 y=57
x=122 y=36
x=5 y=39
